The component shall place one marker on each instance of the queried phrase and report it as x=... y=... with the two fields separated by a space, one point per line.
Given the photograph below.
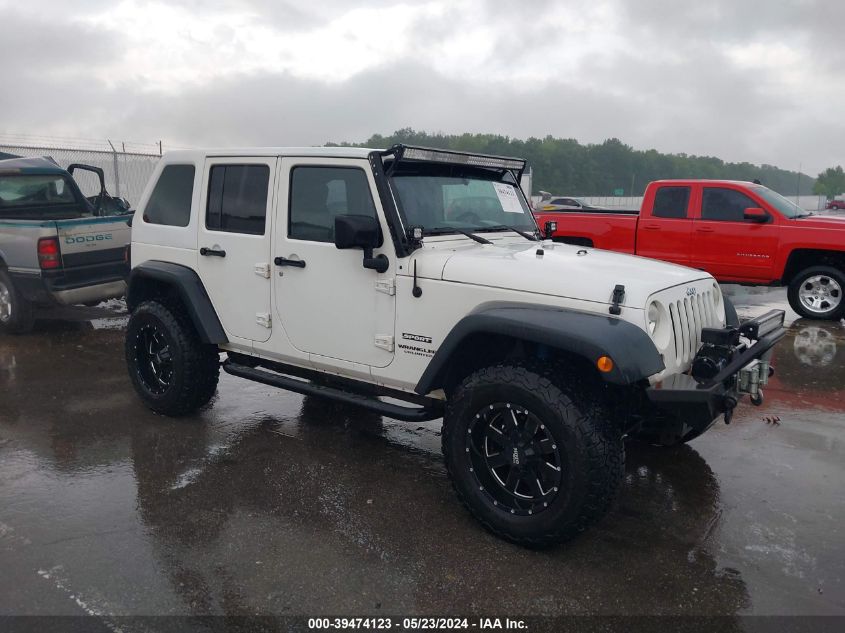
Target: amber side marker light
x=605 y=364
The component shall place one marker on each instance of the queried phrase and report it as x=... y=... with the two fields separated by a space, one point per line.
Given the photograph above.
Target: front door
x=234 y=243
x=727 y=245
x=329 y=305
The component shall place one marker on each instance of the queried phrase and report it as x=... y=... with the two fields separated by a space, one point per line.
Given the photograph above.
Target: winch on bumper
x=731 y=362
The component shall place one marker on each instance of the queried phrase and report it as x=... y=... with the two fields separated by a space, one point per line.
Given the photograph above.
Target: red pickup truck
x=739 y=232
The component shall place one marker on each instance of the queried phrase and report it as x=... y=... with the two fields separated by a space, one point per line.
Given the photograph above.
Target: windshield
x=475 y=203
x=787 y=208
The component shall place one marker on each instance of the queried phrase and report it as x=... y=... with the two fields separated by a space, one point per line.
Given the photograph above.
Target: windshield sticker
x=508 y=198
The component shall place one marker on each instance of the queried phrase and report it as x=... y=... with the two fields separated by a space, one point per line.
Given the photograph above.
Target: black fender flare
x=583 y=334
x=190 y=290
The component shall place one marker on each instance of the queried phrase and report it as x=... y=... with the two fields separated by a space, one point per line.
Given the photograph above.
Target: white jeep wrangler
x=412 y=282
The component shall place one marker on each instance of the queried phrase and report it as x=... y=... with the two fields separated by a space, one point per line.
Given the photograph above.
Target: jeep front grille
x=689 y=315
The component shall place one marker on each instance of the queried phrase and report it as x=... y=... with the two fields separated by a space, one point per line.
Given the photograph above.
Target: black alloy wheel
x=155 y=360
x=515 y=458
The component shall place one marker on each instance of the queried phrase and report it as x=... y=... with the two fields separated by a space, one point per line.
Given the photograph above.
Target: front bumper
x=698 y=403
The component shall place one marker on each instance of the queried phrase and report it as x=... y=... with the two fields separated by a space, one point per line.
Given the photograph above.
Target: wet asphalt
x=270 y=503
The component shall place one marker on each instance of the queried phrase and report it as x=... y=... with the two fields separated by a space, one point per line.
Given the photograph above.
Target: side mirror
x=549 y=229
x=361 y=231
x=756 y=214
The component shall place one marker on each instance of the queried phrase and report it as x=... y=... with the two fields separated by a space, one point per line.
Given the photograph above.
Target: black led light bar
x=410 y=153
x=762 y=325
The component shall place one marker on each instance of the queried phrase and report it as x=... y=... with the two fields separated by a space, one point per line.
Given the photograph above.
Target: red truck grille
x=689 y=315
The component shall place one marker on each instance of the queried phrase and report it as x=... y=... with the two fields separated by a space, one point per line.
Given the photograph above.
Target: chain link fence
x=127 y=167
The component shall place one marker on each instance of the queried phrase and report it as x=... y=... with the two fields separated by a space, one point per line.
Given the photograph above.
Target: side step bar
x=398 y=412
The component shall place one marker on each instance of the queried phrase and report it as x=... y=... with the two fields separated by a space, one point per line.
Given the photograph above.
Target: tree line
x=566 y=167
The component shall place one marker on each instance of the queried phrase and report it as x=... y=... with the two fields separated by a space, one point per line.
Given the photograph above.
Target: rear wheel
x=817 y=293
x=532 y=455
x=170 y=368
x=17 y=315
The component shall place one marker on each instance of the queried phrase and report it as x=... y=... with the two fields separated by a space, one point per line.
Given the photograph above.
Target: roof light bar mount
x=413 y=153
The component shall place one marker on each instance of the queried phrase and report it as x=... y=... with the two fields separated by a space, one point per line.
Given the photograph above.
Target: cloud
x=739 y=80
x=40 y=43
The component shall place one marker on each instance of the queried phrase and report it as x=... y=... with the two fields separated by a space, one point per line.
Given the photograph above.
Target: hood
x=560 y=271
x=821 y=222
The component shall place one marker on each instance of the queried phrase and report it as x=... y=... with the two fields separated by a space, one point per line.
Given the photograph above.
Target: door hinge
x=263 y=319
x=387 y=286
x=262 y=270
x=384 y=341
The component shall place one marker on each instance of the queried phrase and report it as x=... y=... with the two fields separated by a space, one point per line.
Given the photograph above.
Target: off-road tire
x=799 y=279
x=22 y=316
x=195 y=365
x=574 y=412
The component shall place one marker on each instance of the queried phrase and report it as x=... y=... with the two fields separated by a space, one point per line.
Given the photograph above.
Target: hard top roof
x=316 y=152
x=38 y=165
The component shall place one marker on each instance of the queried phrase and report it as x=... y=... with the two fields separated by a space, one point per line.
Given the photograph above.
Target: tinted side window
x=724 y=204
x=170 y=202
x=237 y=198
x=318 y=194
x=671 y=202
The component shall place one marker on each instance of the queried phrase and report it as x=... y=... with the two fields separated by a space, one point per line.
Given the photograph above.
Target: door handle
x=282 y=261
x=212 y=252
x=652 y=227
x=705 y=229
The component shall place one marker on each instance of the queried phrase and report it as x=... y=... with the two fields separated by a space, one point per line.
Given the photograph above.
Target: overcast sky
x=762 y=81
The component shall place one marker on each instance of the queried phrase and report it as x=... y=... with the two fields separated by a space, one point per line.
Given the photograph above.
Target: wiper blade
x=503 y=227
x=441 y=230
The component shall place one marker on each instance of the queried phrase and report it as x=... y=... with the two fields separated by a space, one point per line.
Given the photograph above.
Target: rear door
x=727 y=245
x=234 y=243
x=666 y=233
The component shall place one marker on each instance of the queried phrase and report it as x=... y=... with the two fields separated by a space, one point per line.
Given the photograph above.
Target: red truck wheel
x=816 y=293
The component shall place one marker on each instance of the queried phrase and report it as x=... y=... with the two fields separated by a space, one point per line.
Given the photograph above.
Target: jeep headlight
x=657 y=324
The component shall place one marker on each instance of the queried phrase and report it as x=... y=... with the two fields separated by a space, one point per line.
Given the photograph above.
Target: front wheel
x=17 y=315
x=170 y=368
x=531 y=453
x=816 y=293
